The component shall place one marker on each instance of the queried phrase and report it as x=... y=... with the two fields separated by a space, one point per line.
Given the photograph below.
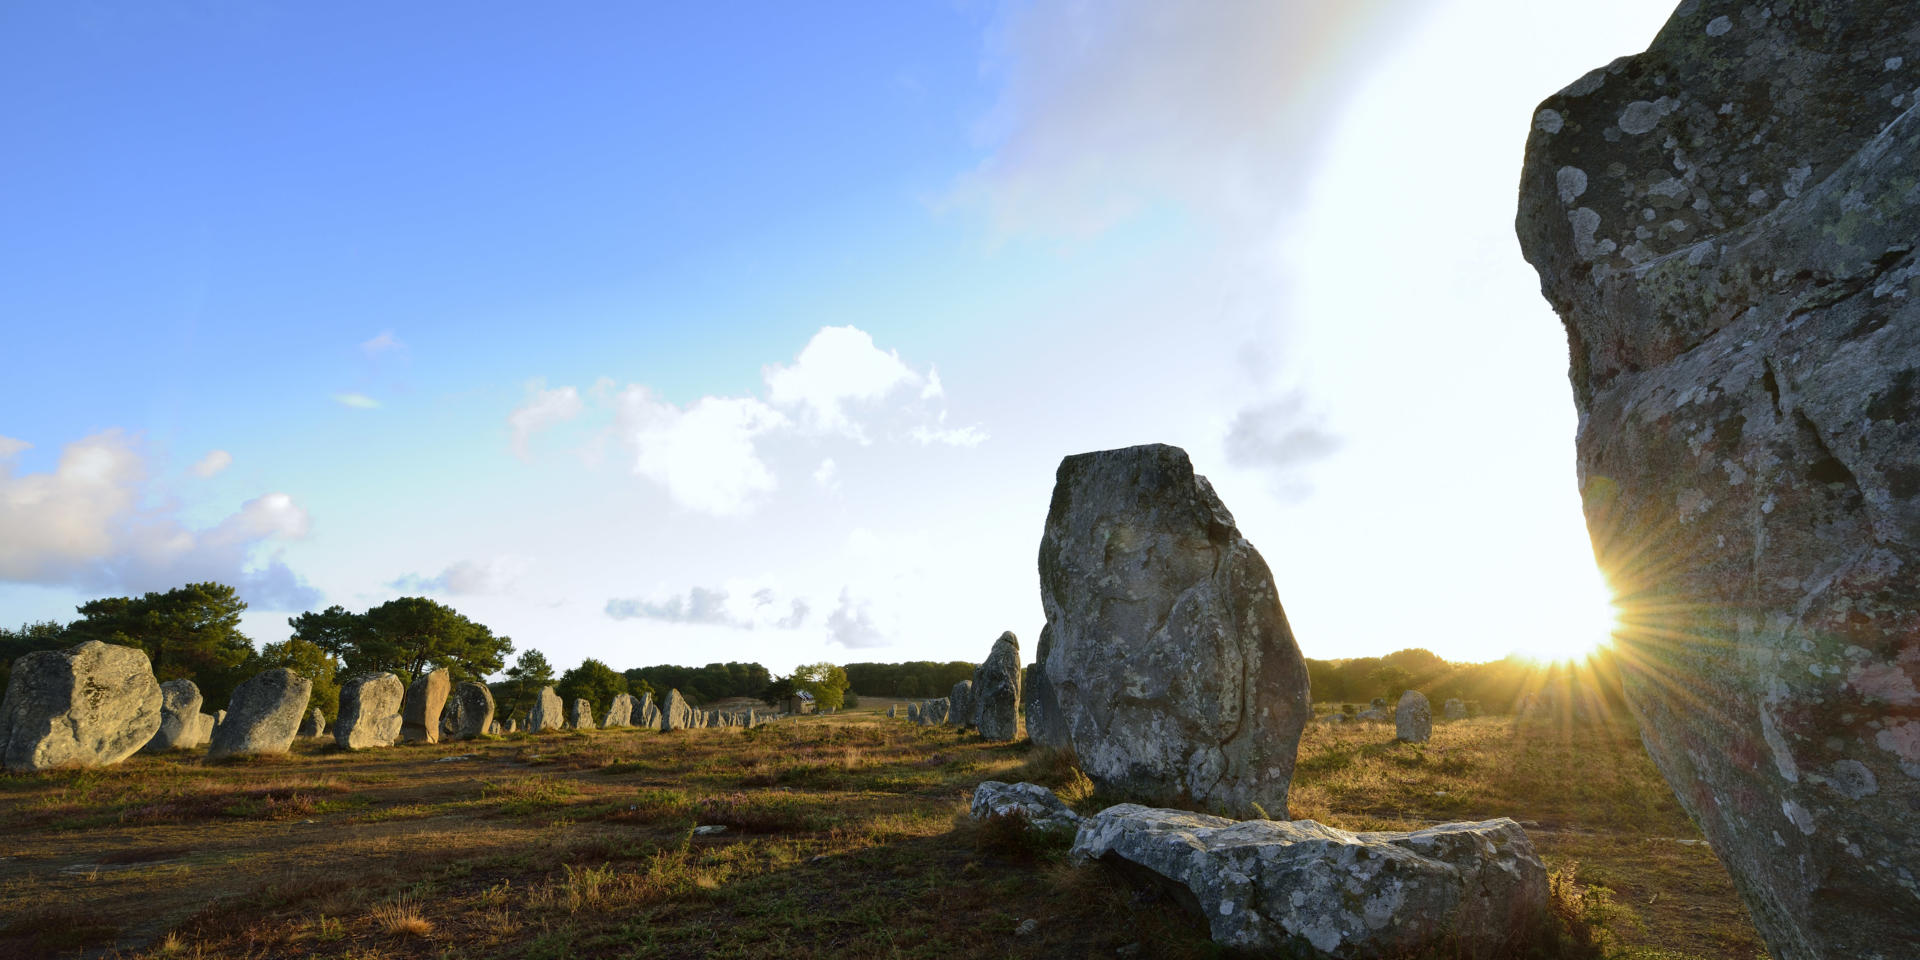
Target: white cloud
x=742 y=606
x=214 y=462
x=544 y=408
x=358 y=401
x=9 y=446
x=838 y=367
x=708 y=453
x=851 y=624
x=83 y=525
x=469 y=577
x=704 y=453
x=958 y=437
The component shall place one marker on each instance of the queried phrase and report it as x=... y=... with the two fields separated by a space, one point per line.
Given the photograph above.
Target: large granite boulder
x=548 y=713
x=88 y=706
x=202 y=734
x=1302 y=889
x=471 y=711
x=1455 y=710
x=676 y=713
x=1413 y=718
x=1173 y=670
x=1037 y=805
x=893 y=710
x=934 y=713
x=426 y=699
x=1726 y=225
x=263 y=715
x=580 y=714
x=315 y=723
x=960 y=704
x=180 y=703
x=647 y=713
x=620 y=711
x=994 y=696
x=369 y=712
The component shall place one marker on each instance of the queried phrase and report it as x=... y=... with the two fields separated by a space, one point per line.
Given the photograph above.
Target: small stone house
x=800 y=701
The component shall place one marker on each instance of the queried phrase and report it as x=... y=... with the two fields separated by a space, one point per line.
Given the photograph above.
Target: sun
x=1585 y=622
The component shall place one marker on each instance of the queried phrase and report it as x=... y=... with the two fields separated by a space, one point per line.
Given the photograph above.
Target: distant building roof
x=802 y=694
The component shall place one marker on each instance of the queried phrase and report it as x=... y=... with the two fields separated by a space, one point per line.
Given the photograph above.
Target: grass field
x=846 y=836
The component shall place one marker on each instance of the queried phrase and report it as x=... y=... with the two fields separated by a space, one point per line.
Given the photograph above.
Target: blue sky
x=581 y=318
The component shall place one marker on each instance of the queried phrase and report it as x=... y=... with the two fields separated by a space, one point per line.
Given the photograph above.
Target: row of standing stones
x=988 y=702
x=97 y=704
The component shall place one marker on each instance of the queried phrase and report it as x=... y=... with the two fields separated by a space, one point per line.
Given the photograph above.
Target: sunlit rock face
x=1169 y=668
x=1726 y=224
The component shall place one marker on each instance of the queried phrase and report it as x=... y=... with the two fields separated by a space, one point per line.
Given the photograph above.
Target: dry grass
x=846 y=837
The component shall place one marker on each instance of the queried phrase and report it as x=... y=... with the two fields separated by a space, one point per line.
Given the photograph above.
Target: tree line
x=913 y=679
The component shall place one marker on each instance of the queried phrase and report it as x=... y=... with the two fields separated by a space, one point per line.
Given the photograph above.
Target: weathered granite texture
x=993 y=697
x=547 y=713
x=470 y=708
x=1300 y=889
x=1413 y=718
x=180 y=703
x=1037 y=805
x=369 y=712
x=426 y=699
x=1726 y=225
x=1173 y=674
x=263 y=715
x=89 y=706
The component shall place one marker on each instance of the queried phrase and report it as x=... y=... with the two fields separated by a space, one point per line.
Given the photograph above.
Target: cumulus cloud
x=214 y=462
x=707 y=453
x=703 y=454
x=358 y=401
x=468 y=577
x=544 y=408
x=840 y=366
x=851 y=624
x=741 y=607
x=83 y=525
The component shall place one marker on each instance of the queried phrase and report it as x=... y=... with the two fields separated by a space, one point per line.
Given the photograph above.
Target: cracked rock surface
x=1303 y=889
x=1167 y=665
x=1726 y=225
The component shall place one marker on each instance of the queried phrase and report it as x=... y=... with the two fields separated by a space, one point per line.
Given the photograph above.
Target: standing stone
x=219 y=717
x=202 y=734
x=88 y=706
x=1455 y=710
x=620 y=711
x=1176 y=675
x=1746 y=366
x=547 y=713
x=1044 y=720
x=180 y=703
x=315 y=723
x=263 y=715
x=913 y=712
x=934 y=712
x=426 y=698
x=962 y=708
x=892 y=710
x=996 y=690
x=649 y=712
x=511 y=726
x=471 y=708
x=675 y=714
x=1413 y=718
x=369 y=712
x=580 y=714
